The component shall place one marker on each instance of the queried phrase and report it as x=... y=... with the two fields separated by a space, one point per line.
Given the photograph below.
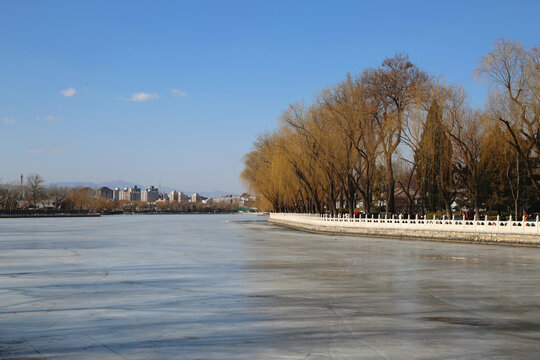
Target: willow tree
x=355 y=139
x=516 y=72
x=329 y=159
x=302 y=149
x=502 y=184
x=266 y=172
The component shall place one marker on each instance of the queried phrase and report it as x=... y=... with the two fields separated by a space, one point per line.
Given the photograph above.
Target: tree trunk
x=365 y=202
x=476 y=202
x=517 y=197
x=390 y=187
x=351 y=203
x=448 y=209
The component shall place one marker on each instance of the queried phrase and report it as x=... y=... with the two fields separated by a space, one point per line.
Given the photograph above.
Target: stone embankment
x=514 y=233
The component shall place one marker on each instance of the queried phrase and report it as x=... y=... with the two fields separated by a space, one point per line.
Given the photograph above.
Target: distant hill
x=111 y=184
x=127 y=184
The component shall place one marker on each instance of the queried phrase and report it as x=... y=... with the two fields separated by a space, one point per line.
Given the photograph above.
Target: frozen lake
x=235 y=287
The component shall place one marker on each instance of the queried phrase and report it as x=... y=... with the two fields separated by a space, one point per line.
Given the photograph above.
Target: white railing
x=485 y=225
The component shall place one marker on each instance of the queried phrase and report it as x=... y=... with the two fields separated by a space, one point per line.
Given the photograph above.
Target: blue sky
x=233 y=65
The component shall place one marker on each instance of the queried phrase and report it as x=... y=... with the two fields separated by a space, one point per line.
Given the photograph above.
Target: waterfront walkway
x=482 y=231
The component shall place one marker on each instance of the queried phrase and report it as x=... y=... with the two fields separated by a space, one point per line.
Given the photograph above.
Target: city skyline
x=122 y=184
x=176 y=93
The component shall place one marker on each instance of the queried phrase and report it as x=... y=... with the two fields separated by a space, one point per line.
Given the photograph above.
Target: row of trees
x=31 y=193
x=396 y=130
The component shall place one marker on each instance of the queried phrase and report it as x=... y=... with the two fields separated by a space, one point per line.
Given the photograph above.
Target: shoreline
x=35 y=216
x=47 y=216
x=515 y=240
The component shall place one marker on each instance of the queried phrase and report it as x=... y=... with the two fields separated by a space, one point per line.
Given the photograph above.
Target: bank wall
x=517 y=233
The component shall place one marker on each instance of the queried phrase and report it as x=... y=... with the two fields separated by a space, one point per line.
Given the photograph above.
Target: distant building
x=105 y=193
x=116 y=194
x=134 y=193
x=124 y=194
x=150 y=195
x=241 y=200
x=129 y=194
x=173 y=196
x=228 y=199
x=195 y=198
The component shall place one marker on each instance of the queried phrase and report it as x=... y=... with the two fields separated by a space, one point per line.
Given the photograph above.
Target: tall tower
x=22 y=187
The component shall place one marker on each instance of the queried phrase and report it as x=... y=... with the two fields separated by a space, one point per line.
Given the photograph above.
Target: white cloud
x=68 y=92
x=8 y=121
x=34 y=151
x=48 y=118
x=178 y=93
x=142 y=96
x=47 y=151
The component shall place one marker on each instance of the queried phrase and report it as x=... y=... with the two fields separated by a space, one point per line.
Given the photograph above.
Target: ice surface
x=235 y=287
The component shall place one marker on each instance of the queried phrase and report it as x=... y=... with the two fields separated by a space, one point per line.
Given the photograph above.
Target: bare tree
x=467 y=132
x=57 y=194
x=34 y=183
x=392 y=88
x=9 y=196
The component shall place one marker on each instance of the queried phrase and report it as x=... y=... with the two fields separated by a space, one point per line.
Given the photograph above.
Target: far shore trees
x=78 y=199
